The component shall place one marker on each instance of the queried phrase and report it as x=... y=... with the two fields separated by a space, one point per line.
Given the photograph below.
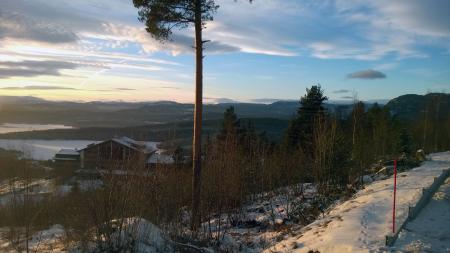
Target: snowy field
x=361 y=223
x=42 y=149
x=12 y=128
x=430 y=231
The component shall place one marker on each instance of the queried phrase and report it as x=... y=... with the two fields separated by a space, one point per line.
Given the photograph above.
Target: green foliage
x=178 y=156
x=301 y=129
x=405 y=143
x=161 y=16
x=230 y=125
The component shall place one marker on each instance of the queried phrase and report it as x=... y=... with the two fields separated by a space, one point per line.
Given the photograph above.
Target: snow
x=141 y=234
x=361 y=223
x=148 y=237
x=66 y=151
x=157 y=158
x=12 y=128
x=49 y=240
x=263 y=221
x=15 y=188
x=43 y=149
x=430 y=230
x=146 y=146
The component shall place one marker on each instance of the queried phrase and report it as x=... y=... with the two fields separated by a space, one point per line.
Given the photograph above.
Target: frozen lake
x=42 y=149
x=12 y=128
x=46 y=149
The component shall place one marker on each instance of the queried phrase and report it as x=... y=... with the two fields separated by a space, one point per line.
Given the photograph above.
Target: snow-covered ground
x=361 y=223
x=141 y=235
x=10 y=189
x=263 y=221
x=430 y=231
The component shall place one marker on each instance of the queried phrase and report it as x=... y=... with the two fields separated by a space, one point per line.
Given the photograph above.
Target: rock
x=420 y=155
x=367 y=179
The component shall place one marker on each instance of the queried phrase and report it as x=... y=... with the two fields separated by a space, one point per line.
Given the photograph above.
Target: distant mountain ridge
x=412 y=106
x=121 y=114
x=167 y=120
x=34 y=110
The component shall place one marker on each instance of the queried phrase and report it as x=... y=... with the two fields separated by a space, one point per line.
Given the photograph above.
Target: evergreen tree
x=178 y=156
x=405 y=143
x=301 y=129
x=230 y=125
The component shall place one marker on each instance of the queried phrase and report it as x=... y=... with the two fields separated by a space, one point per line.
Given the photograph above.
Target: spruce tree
x=301 y=129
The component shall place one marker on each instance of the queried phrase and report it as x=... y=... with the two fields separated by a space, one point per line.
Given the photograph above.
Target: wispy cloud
x=33 y=68
x=367 y=74
x=168 y=87
x=217 y=100
x=342 y=91
x=270 y=100
x=38 y=87
x=125 y=89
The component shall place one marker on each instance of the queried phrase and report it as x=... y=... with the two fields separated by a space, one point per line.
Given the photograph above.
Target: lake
x=12 y=128
x=42 y=149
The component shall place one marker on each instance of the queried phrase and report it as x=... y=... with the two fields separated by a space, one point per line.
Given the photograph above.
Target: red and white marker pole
x=395 y=193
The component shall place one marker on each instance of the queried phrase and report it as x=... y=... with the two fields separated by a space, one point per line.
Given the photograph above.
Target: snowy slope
x=361 y=223
x=430 y=231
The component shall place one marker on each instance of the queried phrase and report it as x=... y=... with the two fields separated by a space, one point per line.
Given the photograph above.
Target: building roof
x=141 y=146
x=71 y=152
x=67 y=155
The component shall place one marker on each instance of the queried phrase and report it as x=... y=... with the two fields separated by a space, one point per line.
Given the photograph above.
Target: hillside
x=361 y=223
x=413 y=107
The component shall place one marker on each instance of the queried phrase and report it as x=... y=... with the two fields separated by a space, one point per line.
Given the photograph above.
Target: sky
x=261 y=52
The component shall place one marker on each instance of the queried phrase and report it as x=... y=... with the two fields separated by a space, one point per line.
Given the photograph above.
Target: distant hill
x=158 y=121
x=412 y=106
x=32 y=110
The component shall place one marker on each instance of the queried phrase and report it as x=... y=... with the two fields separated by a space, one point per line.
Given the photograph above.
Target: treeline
x=318 y=146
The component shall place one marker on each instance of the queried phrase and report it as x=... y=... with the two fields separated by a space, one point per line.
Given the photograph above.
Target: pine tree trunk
x=197 y=140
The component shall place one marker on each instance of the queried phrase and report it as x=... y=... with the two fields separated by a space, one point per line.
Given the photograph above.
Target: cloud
x=215 y=100
x=367 y=74
x=168 y=87
x=180 y=42
x=265 y=100
x=342 y=91
x=347 y=97
x=19 y=27
x=125 y=89
x=30 y=68
x=337 y=29
x=38 y=87
x=44 y=21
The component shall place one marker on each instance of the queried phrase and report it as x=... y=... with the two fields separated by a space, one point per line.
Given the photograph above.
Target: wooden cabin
x=116 y=152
